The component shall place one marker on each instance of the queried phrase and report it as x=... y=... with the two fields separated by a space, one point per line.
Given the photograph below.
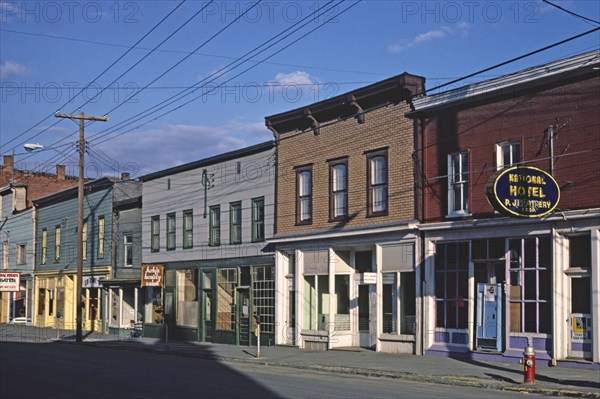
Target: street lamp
x=30 y=147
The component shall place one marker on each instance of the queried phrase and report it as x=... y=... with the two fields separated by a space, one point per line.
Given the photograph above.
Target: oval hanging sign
x=523 y=191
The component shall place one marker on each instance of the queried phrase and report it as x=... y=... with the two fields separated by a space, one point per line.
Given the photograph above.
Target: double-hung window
x=155 y=234
x=377 y=183
x=508 y=153
x=214 y=233
x=338 y=189
x=188 y=229
x=22 y=254
x=171 y=231
x=84 y=240
x=57 y=244
x=5 y=254
x=235 y=223
x=128 y=250
x=258 y=219
x=458 y=184
x=304 y=195
x=44 y=245
x=101 y=237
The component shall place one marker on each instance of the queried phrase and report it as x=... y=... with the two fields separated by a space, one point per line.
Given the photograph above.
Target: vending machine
x=489 y=317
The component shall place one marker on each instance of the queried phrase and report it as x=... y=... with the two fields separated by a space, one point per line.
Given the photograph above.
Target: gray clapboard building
x=205 y=224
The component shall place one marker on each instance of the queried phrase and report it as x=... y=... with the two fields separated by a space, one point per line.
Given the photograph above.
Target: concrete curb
x=453 y=380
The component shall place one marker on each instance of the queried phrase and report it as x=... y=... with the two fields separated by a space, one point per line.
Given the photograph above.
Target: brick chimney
x=60 y=172
x=125 y=176
x=7 y=169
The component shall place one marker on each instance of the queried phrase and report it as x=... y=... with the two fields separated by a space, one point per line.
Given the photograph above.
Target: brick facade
x=39 y=184
x=384 y=127
x=522 y=116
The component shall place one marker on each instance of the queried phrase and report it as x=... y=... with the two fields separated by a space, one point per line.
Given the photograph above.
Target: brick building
x=18 y=188
x=495 y=284
x=345 y=232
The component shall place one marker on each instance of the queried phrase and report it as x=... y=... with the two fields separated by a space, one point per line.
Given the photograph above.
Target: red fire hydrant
x=528 y=363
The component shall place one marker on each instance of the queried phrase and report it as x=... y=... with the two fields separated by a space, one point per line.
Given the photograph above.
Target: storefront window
x=264 y=296
x=154 y=306
x=316 y=302
x=226 y=284
x=42 y=302
x=187 y=298
x=530 y=285
x=451 y=285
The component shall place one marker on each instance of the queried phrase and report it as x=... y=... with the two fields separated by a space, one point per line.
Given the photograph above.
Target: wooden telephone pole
x=82 y=118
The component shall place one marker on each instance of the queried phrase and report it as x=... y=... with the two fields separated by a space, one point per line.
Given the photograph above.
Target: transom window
x=377 y=183
x=458 y=184
x=304 y=195
x=338 y=189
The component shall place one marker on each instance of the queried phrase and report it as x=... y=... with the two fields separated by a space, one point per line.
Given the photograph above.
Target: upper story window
x=377 y=183
x=188 y=229
x=22 y=254
x=171 y=231
x=458 y=184
x=338 y=189
x=5 y=254
x=128 y=250
x=44 y=246
x=258 y=219
x=101 y=237
x=508 y=154
x=155 y=234
x=84 y=240
x=304 y=195
x=214 y=233
x=57 y=244
x=235 y=223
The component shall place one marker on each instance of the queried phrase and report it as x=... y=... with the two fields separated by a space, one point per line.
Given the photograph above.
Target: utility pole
x=82 y=118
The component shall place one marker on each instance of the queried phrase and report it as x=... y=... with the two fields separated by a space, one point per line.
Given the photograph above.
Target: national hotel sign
x=523 y=191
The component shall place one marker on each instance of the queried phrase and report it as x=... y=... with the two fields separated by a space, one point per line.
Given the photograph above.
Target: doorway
x=366 y=314
x=490 y=277
x=580 y=318
x=243 y=314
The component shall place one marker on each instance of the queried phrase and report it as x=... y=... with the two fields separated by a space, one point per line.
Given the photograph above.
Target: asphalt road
x=30 y=370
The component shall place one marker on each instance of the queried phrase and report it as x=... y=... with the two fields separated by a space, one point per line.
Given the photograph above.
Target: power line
x=241 y=73
x=96 y=78
x=572 y=13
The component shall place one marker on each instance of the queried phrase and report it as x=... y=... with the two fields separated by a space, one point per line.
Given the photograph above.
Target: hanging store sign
x=9 y=282
x=523 y=191
x=152 y=275
x=92 y=281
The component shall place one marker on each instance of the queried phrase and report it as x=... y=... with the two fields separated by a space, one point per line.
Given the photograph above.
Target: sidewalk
x=555 y=381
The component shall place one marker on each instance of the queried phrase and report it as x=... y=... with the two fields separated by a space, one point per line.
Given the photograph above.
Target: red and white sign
x=9 y=281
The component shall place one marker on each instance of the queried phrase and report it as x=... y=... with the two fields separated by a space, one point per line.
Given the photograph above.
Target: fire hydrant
x=528 y=362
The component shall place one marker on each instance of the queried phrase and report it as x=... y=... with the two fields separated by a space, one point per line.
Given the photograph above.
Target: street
x=31 y=370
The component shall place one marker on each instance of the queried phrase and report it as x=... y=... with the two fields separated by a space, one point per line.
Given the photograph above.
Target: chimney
x=7 y=170
x=125 y=176
x=60 y=172
x=8 y=163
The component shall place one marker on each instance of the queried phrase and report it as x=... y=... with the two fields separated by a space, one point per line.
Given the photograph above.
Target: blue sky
x=51 y=50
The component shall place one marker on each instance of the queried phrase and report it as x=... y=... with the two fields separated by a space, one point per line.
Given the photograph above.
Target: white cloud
x=295 y=78
x=11 y=68
x=443 y=32
x=166 y=146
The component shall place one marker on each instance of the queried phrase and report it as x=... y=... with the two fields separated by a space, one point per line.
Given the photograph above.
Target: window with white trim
x=508 y=154
x=304 y=195
x=128 y=250
x=458 y=184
